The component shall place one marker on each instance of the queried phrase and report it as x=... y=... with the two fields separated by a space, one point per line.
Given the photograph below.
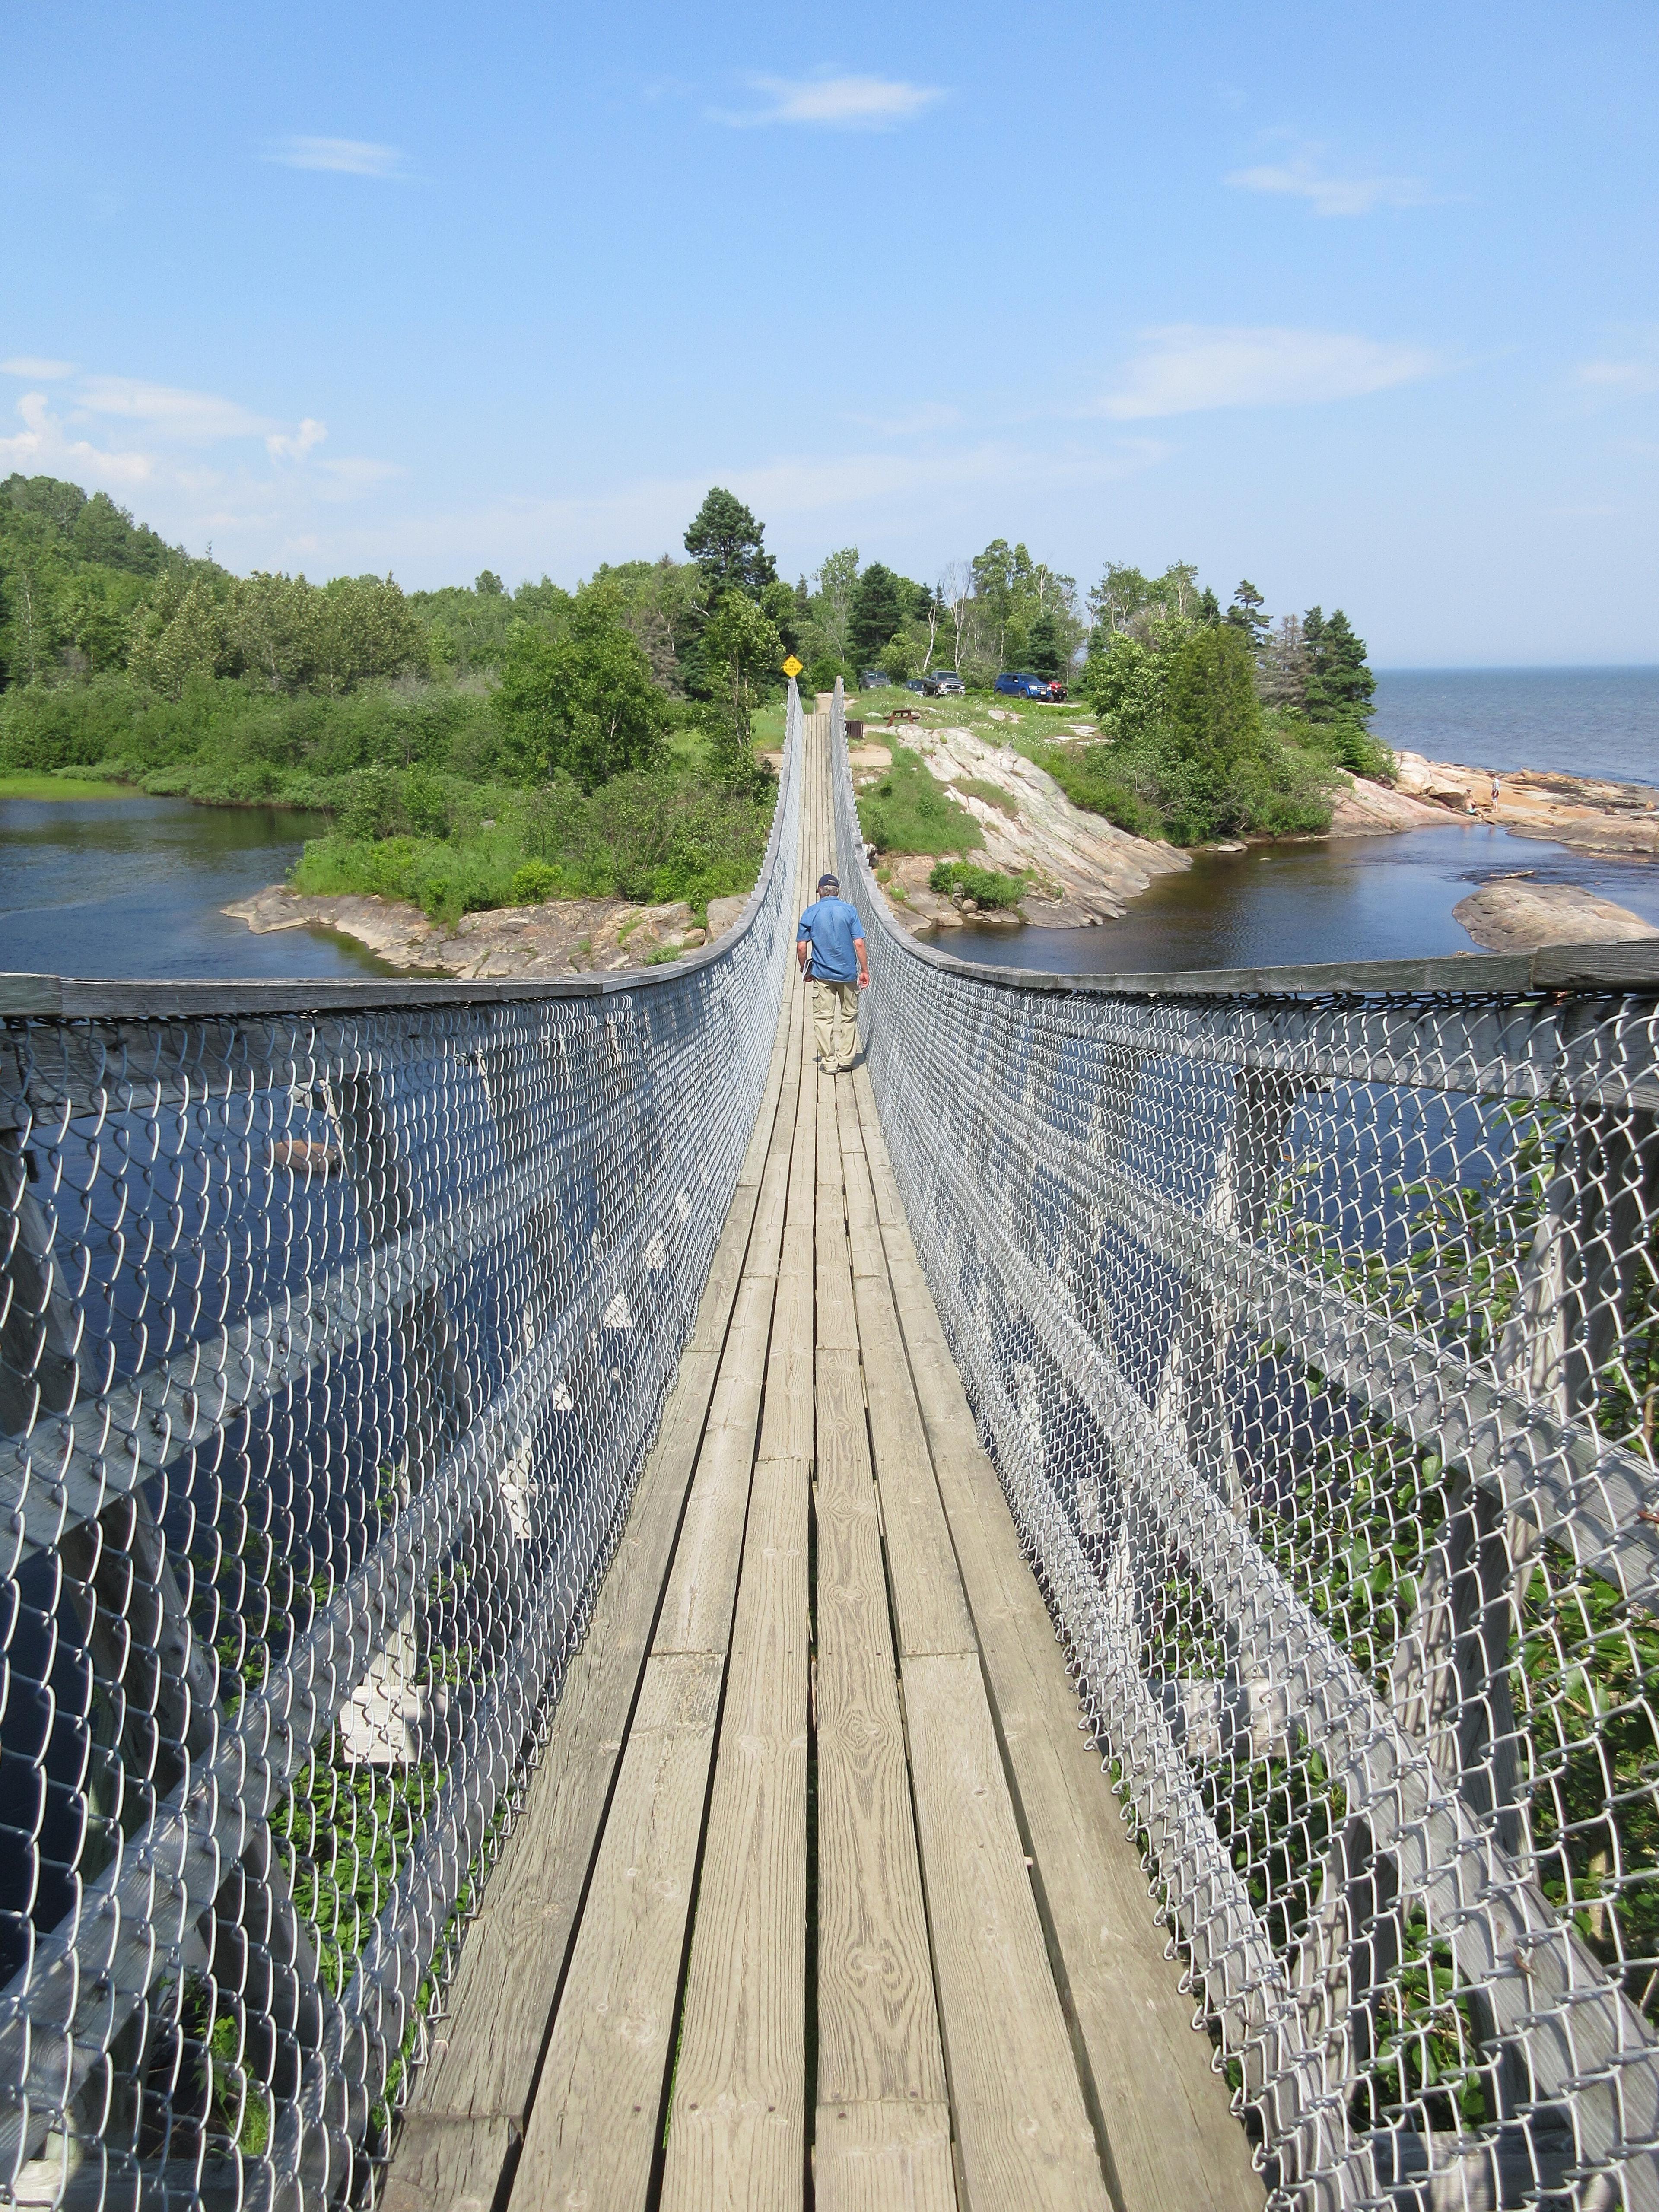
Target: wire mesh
x=1316 y=1342
x=331 y=1346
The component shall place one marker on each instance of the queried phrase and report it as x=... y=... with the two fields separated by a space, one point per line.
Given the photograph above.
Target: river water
x=132 y=887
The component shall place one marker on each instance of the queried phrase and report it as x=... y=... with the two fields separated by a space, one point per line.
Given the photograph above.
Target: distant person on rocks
x=831 y=952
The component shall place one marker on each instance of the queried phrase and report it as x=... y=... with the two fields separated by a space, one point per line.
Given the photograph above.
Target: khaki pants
x=836 y=1023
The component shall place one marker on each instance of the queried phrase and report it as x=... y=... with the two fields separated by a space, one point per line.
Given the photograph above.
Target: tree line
x=393 y=710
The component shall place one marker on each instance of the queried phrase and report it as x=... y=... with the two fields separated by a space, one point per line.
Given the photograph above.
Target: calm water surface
x=1590 y=721
x=124 y=887
x=1353 y=898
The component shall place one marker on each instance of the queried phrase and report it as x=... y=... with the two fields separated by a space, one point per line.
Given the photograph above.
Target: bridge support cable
x=334 y=1323
x=1309 y=1317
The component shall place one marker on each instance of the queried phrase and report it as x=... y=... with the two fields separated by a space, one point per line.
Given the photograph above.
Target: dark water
x=124 y=887
x=1351 y=898
x=1590 y=721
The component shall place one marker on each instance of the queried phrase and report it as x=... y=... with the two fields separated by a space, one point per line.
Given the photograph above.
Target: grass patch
x=28 y=783
x=990 y=794
x=906 y=811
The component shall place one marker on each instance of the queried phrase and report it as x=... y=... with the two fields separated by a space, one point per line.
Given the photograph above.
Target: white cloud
x=1302 y=178
x=283 y=447
x=37 y=370
x=346 y=157
x=1627 y=379
x=931 y=414
x=834 y=103
x=44 y=446
x=1185 y=369
x=191 y=417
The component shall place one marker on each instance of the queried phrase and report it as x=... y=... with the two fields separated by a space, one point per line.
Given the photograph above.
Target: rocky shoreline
x=1084 y=870
x=561 y=937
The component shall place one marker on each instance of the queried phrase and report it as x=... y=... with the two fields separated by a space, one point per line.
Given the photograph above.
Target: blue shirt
x=829 y=926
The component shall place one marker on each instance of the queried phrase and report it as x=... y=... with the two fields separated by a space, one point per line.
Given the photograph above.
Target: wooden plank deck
x=818 y=1895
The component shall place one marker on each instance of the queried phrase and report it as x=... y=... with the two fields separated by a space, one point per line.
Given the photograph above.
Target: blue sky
x=1362 y=302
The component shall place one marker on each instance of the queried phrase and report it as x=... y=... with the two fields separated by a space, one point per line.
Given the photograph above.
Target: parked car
x=1020 y=683
x=941 y=683
x=920 y=683
x=872 y=679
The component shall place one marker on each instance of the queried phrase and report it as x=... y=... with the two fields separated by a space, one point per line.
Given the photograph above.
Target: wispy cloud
x=36 y=369
x=1630 y=377
x=1186 y=368
x=931 y=414
x=347 y=157
x=191 y=418
x=833 y=103
x=283 y=447
x=1304 y=176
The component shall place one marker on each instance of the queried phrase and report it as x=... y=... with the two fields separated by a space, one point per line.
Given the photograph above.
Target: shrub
x=985 y=886
x=533 y=883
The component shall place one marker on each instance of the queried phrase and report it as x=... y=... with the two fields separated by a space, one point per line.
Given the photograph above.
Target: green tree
x=832 y=605
x=582 y=704
x=741 y=649
x=1247 y=614
x=1124 y=680
x=1340 y=685
x=179 y=633
x=364 y=628
x=1044 y=656
x=1212 y=728
x=880 y=604
x=726 y=542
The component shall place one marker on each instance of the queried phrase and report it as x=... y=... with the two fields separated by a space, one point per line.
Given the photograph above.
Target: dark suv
x=943 y=682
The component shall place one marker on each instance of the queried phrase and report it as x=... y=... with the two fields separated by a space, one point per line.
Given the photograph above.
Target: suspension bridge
x=598 y=1617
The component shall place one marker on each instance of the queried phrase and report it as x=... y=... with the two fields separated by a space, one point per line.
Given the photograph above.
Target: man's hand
x=861 y=954
x=864 y=979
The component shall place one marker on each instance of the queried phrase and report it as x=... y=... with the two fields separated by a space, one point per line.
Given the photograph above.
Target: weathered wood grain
x=878 y=2036
x=594 y=2124
x=1171 y=2136
x=452 y=2164
x=736 y=2125
x=928 y=1605
x=885 y=2158
x=1026 y=2137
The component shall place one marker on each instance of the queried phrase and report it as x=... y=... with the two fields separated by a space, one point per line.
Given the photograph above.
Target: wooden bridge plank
x=879 y=2037
x=736 y=2125
x=486 y=2050
x=929 y=1605
x=884 y=2157
x=1171 y=2136
x=1026 y=2137
x=454 y=2163
x=593 y=2127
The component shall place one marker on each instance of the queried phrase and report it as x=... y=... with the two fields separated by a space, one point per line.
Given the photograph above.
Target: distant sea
x=1590 y=721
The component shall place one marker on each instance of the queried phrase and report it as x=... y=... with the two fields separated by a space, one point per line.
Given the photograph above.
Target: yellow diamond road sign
x=792 y=667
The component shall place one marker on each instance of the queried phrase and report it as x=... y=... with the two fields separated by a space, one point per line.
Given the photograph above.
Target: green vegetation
x=906 y=811
x=477 y=744
x=474 y=746
x=22 y=783
x=987 y=887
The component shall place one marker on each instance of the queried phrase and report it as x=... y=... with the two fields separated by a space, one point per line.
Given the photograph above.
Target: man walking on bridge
x=829 y=949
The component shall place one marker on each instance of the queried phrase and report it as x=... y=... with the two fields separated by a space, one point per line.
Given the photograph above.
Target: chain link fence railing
x=1313 y=1326
x=335 y=1322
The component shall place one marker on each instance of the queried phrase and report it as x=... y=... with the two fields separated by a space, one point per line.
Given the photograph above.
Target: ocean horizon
x=1586 y=722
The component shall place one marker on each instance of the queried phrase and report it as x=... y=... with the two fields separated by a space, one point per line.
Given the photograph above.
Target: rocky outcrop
x=1591 y=814
x=1512 y=914
x=1367 y=809
x=563 y=937
x=1085 y=870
